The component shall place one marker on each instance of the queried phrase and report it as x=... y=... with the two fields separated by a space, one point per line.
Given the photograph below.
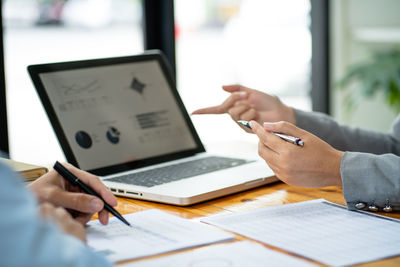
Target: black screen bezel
x=36 y=70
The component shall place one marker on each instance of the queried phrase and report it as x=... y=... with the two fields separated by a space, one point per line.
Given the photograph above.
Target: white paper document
x=319 y=230
x=152 y=232
x=237 y=254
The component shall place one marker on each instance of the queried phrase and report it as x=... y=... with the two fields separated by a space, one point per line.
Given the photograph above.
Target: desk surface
x=270 y=195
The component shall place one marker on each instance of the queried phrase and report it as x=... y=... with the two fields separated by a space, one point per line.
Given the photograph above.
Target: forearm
x=42 y=244
x=346 y=138
x=371 y=180
x=27 y=240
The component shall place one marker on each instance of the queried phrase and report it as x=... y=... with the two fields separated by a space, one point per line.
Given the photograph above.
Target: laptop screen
x=115 y=114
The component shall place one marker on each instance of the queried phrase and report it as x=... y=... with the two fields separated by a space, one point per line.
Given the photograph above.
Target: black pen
x=291 y=139
x=70 y=177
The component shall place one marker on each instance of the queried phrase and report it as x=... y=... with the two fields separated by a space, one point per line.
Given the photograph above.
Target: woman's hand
x=316 y=164
x=54 y=189
x=249 y=104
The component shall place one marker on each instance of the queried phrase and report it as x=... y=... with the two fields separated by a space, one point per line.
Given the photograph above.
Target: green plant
x=380 y=74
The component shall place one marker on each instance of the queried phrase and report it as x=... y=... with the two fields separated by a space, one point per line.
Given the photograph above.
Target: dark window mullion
x=3 y=106
x=159 y=27
x=320 y=78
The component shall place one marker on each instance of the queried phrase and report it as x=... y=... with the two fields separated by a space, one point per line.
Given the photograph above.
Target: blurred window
x=42 y=31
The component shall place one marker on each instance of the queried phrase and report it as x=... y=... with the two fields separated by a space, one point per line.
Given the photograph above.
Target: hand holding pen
x=54 y=189
x=316 y=164
x=88 y=187
x=288 y=138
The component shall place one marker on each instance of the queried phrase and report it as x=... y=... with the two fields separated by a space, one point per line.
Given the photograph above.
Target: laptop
x=123 y=120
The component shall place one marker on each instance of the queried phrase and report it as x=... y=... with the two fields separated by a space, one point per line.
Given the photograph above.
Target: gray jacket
x=370 y=167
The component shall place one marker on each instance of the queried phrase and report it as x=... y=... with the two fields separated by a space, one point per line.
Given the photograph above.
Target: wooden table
x=269 y=195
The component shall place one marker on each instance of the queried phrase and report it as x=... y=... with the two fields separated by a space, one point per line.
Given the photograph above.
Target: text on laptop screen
x=123 y=112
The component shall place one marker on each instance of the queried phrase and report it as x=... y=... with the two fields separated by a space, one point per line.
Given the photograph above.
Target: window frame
x=159 y=28
x=4 y=147
x=320 y=69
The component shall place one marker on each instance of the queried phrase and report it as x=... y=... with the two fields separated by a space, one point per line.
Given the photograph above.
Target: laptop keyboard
x=178 y=171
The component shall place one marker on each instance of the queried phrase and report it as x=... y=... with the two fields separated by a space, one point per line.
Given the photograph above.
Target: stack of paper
x=28 y=171
x=319 y=230
x=152 y=232
x=236 y=254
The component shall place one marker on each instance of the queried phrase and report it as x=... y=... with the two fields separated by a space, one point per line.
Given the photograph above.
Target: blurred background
x=217 y=42
x=263 y=44
x=43 y=31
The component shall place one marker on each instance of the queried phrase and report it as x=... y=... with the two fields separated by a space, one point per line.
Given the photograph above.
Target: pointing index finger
x=224 y=107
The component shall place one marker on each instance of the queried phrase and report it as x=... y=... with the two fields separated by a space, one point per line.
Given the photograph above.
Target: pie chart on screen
x=83 y=139
x=113 y=135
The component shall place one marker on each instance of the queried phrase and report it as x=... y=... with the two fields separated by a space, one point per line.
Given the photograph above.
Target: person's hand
x=249 y=104
x=316 y=164
x=53 y=188
x=63 y=220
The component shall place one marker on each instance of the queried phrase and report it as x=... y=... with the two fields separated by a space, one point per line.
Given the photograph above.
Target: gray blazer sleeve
x=370 y=180
x=346 y=138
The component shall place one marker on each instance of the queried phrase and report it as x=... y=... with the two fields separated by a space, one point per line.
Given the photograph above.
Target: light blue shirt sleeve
x=27 y=240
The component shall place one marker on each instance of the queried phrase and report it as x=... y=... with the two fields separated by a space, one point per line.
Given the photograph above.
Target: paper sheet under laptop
x=152 y=232
x=319 y=230
x=236 y=254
